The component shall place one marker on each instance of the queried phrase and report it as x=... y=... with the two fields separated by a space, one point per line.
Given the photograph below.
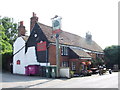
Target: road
x=94 y=81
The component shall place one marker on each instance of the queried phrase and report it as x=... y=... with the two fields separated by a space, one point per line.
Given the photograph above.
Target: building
x=39 y=48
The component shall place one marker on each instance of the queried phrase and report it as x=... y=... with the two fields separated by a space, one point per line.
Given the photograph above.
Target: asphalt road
x=94 y=81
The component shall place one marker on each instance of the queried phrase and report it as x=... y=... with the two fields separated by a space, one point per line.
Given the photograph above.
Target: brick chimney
x=88 y=37
x=21 y=29
x=33 y=20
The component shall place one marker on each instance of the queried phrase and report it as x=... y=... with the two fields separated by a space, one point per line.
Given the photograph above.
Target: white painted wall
x=65 y=72
x=25 y=59
x=19 y=69
x=31 y=57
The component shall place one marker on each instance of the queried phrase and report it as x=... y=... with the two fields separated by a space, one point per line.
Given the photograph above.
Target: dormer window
x=64 y=51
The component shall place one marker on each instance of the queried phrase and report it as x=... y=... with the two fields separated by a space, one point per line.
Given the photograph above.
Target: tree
x=5 y=46
x=112 y=54
x=10 y=29
x=8 y=34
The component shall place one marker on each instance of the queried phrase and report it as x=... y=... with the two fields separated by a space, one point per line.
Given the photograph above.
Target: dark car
x=94 y=70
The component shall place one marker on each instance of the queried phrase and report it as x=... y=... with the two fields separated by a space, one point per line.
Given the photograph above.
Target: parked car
x=94 y=70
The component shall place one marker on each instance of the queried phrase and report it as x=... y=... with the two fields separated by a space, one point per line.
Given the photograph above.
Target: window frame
x=65 y=64
x=64 y=51
x=73 y=66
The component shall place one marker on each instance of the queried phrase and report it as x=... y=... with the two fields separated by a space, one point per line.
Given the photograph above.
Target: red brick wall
x=21 y=29
x=63 y=58
x=77 y=63
x=52 y=59
x=33 y=20
x=52 y=55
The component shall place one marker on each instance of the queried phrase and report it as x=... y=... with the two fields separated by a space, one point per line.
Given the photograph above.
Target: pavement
x=95 y=81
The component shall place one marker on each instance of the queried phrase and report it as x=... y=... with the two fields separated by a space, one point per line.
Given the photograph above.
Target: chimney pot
x=34 y=15
x=33 y=20
x=21 y=23
x=21 y=29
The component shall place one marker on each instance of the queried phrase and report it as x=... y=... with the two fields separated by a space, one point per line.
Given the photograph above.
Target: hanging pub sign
x=56 y=24
x=41 y=46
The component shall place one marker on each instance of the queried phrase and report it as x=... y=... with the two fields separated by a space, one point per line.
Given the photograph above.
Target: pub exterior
x=39 y=49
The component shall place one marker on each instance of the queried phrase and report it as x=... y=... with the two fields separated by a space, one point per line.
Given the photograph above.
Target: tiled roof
x=71 y=39
x=81 y=53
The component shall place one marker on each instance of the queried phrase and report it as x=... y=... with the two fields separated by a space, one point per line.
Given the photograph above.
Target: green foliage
x=9 y=28
x=72 y=73
x=8 y=34
x=97 y=62
x=112 y=55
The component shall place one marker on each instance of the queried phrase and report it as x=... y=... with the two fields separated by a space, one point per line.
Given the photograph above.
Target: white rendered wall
x=25 y=59
x=31 y=57
x=19 y=69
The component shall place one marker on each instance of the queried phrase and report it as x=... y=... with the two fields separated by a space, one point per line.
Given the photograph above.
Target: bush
x=72 y=73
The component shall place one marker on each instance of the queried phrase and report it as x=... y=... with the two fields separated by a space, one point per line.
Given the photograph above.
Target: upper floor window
x=64 y=50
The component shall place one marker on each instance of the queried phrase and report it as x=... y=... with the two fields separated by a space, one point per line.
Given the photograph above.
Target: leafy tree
x=5 y=46
x=8 y=34
x=9 y=29
x=112 y=54
x=97 y=62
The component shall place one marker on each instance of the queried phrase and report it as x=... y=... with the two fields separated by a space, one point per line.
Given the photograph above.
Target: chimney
x=33 y=20
x=88 y=37
x=21 y=29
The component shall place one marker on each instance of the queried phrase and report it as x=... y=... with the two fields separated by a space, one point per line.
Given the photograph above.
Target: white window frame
x=64 y=50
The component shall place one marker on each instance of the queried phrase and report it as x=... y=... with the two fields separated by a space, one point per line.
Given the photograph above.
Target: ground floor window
x=65 y=64
x=73 y=66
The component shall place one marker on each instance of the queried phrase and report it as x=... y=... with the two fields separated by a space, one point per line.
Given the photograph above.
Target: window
x=18 y=62
x=64 y=50
x=73 y=65
x=65 y=64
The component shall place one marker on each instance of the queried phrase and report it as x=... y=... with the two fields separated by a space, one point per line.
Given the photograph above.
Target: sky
x=100 y=17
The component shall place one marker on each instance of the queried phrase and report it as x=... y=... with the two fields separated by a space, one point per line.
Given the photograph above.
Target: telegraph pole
x=56 y=25
x=57 y=56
